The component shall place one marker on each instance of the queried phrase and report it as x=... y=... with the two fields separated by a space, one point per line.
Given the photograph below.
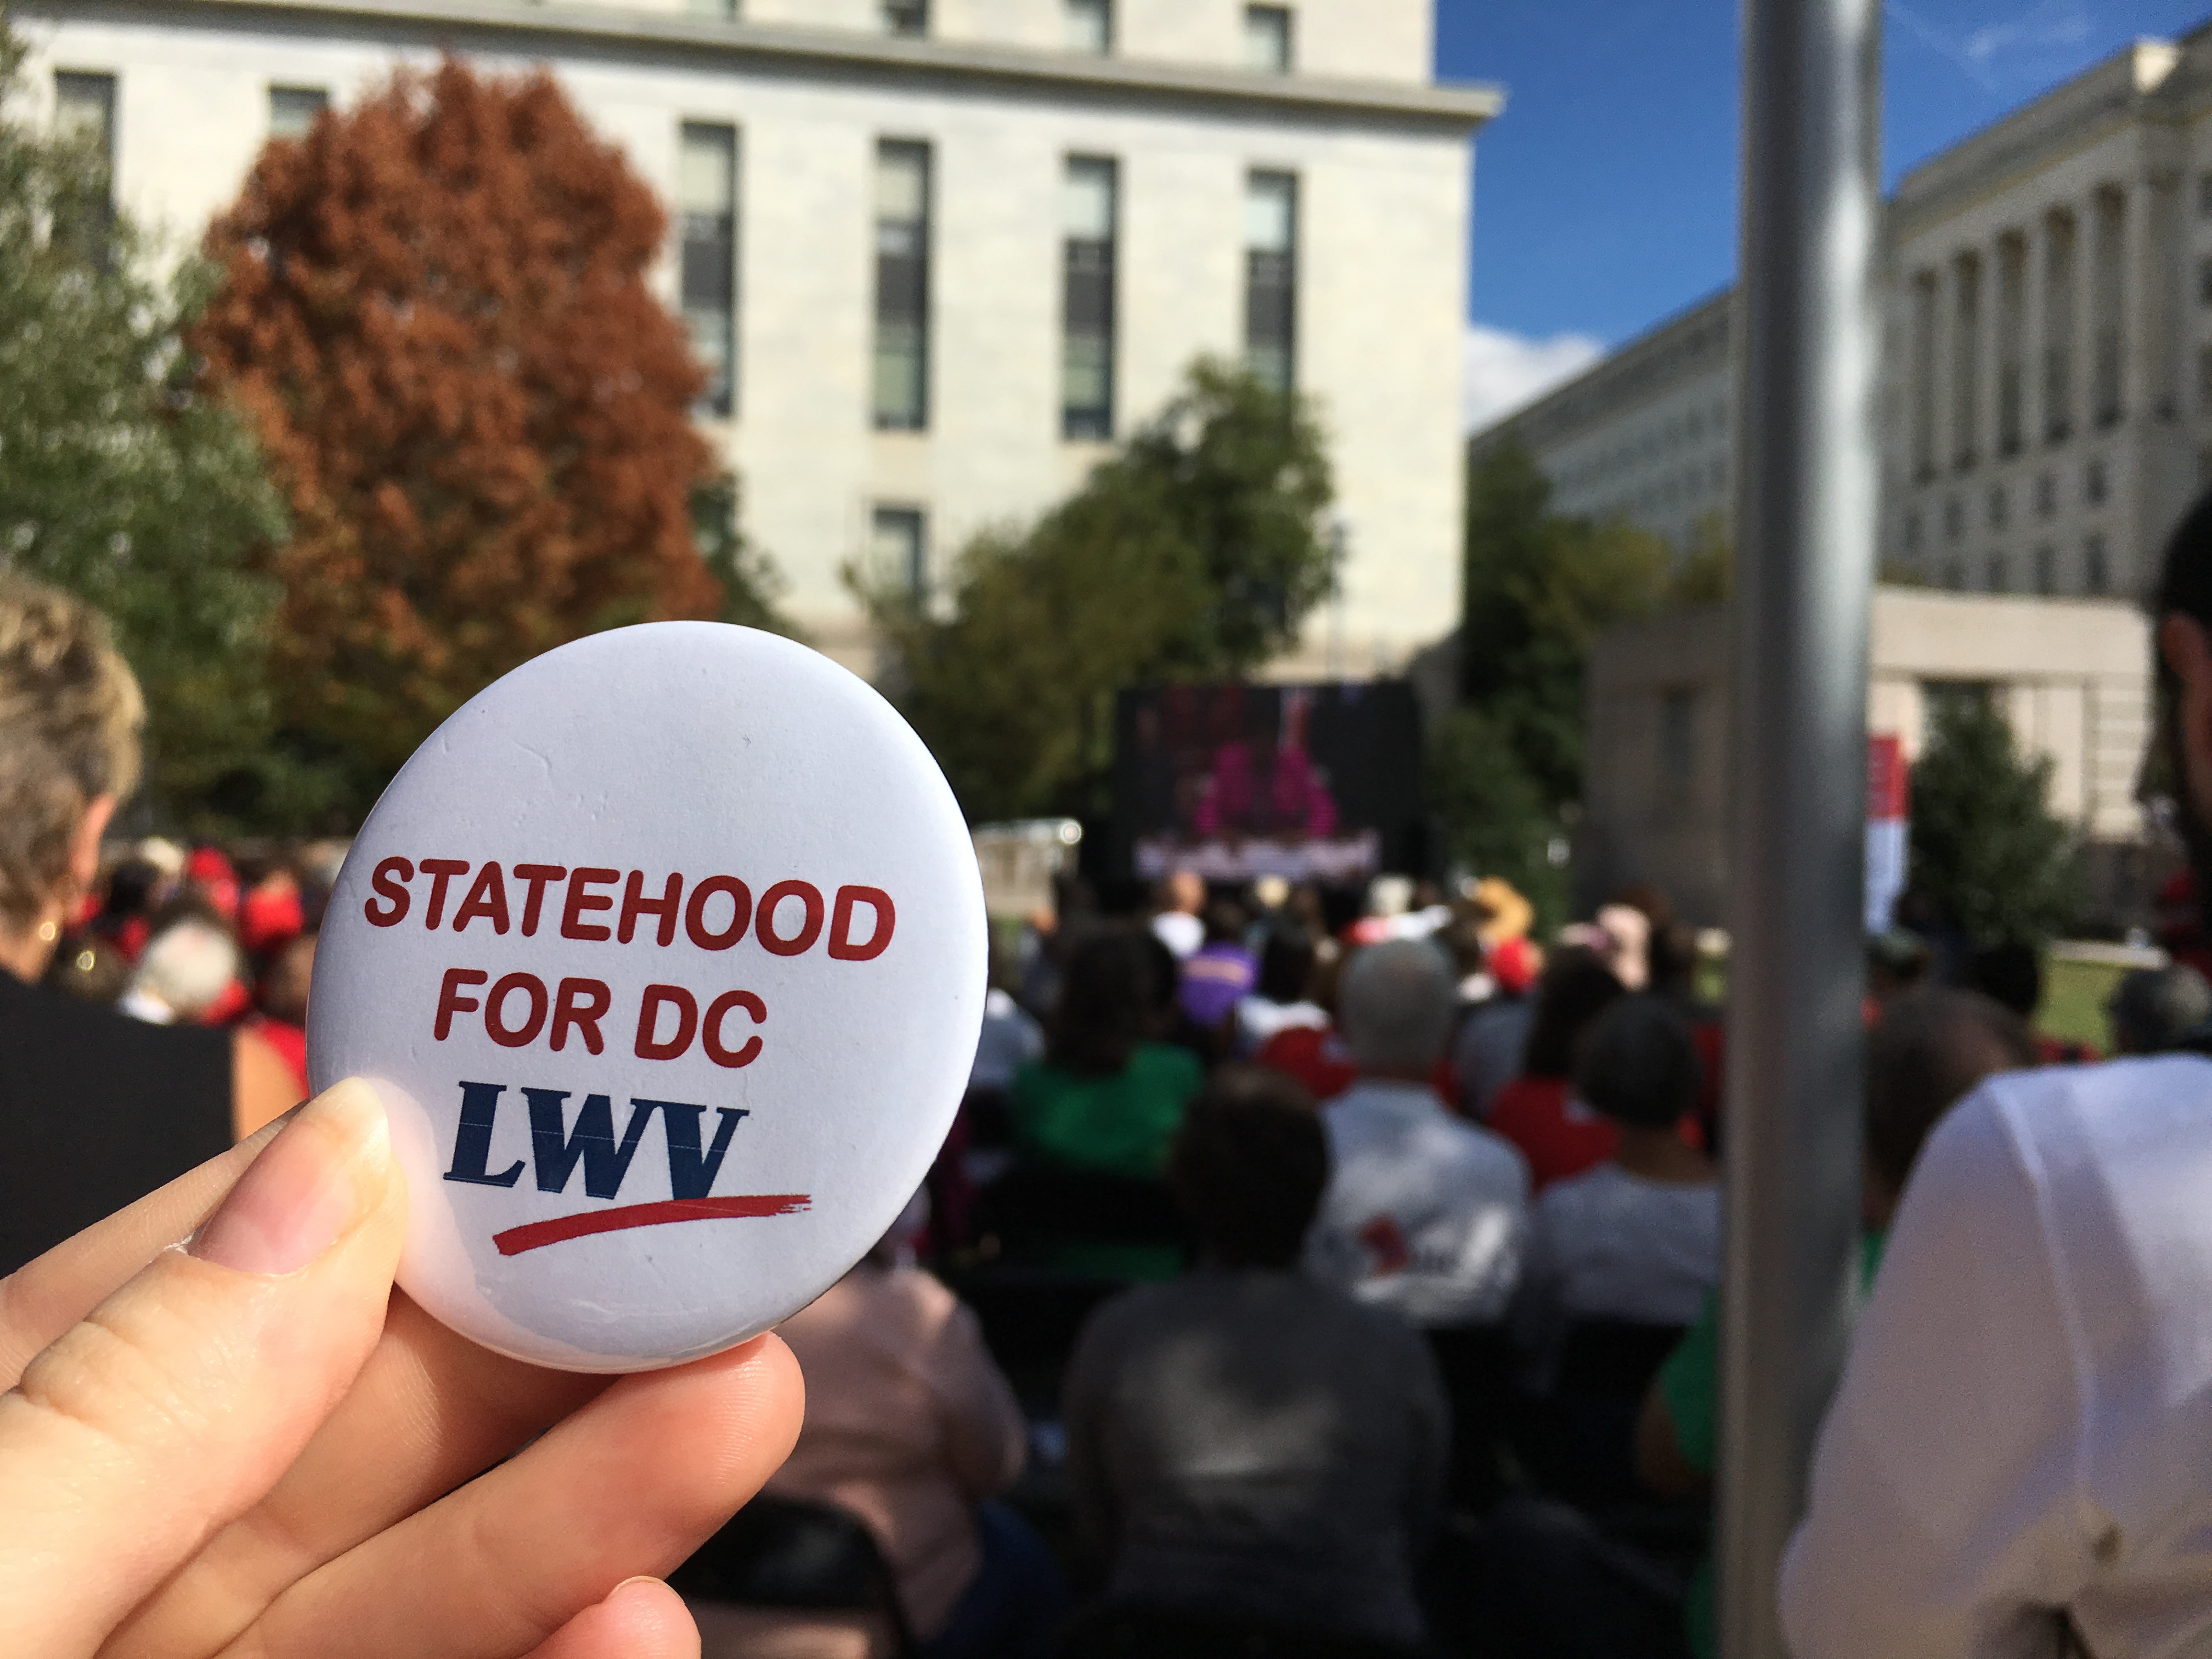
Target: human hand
x=253 y=1446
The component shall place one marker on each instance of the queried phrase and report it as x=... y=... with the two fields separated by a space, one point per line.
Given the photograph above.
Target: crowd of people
x=1314 y=1273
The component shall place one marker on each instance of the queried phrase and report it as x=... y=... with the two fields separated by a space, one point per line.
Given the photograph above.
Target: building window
x=1091 y=26
x=906 y=16
x=1086 y=363
x=1922 y=324
x=2012 y=343
x=84 y=109
x=1955 y=519
x=707 y=203
x=1271 y=236
x=2047 y=570
x=1966 y=361
x=84 y=113
x=1955 y=576
x=2093 y=483
x=2000 y=576
x=1267 y=38
x=902 y=378
x=1912 y=533
x=2096 y=576
x=1997 y=508
x=901 y=547
x=2046 y=496
x=2059 y=273
x=293 y=111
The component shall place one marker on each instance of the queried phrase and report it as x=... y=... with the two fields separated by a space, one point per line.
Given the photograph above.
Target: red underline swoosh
x=538 y=1234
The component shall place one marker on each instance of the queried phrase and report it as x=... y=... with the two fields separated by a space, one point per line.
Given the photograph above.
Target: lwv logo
x=557 y=1149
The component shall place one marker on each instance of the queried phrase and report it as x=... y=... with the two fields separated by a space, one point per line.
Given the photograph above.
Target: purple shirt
x=1215 y=979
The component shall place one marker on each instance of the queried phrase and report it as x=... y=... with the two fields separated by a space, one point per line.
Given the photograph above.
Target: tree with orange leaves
x=434 y=310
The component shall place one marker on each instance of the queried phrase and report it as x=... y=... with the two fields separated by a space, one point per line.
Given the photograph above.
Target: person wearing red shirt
x=1537 y=1111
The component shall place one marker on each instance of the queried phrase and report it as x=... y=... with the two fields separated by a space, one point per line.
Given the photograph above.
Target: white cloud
x=1506 y=371
x=2023 y=49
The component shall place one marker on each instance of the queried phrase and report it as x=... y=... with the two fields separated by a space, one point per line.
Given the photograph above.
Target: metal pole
x=1807 y=357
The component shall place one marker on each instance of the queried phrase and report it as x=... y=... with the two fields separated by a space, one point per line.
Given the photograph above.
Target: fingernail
x=295 y=1200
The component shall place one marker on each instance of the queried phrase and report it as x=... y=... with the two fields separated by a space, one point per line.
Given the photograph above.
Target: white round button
x=666 y=955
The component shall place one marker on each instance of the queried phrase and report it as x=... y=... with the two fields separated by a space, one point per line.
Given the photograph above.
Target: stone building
x=2072 y=675
x=938 y=253
x=1644 y=435
x=2047 y=389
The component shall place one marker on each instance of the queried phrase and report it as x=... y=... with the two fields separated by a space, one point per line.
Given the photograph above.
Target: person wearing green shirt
x=1106 y=1099
x=1930 y=1050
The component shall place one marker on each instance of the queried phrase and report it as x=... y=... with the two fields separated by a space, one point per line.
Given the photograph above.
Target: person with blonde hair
x=99 y=1109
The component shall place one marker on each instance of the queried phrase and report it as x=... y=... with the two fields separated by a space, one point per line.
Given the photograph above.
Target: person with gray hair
x=187 y=966
x=1424 y=1213
x=2153 y=1009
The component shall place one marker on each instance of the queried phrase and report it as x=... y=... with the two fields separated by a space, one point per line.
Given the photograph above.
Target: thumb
x=179 y=1401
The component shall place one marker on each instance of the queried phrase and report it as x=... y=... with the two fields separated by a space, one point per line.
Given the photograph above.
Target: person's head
x=69 y=715
x=1395 y=1008
x=90 y=970
x=1106 y=1003
x=284 y=988
x=1225 y=922
x=1513 y=964
x=1184 y=890
x=1287 y=964
x=1249 y=1167
x=1925 y=1055
x=1674 y=957
x=187 y=966
x=1576 y=989
x=2152 y=1008
x=1638 y=1065
x=1896 y=962
x=2010 y=973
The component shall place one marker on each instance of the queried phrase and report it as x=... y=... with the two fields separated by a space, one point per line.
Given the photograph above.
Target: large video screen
x=1312 y=782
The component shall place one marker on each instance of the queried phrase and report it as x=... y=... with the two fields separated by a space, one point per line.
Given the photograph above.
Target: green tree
x=1494 y=815
x=1539 y=589
x=121 y=480
x=1196 y=551
x=1985 y=846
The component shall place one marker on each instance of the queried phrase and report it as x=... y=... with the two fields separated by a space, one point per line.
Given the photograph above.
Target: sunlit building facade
x=936 y=254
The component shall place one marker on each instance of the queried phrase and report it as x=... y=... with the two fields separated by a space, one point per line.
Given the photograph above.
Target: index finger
x=46 y=1296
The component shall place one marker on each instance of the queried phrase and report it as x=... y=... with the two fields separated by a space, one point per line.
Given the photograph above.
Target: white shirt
x=2025 y=1421
x=1258 y=1019
x=1180 y=931
x=1423 y=1213
x=1606 y=1245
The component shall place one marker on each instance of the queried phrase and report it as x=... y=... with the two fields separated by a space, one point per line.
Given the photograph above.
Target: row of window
x=2096 y=571
x=1090 y=308
x=1694 y=486
x=1088 y=26
x=1689 y=428
x=706 y=215
x=2095 y=489
x=84 y=107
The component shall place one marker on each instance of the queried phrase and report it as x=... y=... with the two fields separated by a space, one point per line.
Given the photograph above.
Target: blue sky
x=1604 y=197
